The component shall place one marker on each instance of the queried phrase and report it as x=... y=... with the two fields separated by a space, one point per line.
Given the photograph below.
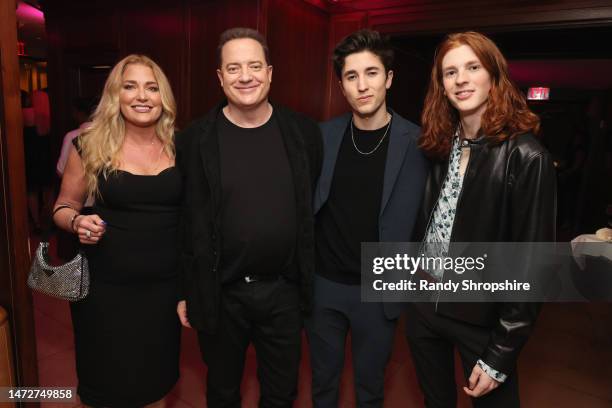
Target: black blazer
x=404 y=181
x=197 y=156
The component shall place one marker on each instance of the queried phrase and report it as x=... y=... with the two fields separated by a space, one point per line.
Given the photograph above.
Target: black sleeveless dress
x=126 y=332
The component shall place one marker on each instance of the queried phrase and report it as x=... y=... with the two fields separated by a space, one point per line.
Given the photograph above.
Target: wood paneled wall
x=206 y=21
x=341 y=26
x=182 y=37
x=298 y=39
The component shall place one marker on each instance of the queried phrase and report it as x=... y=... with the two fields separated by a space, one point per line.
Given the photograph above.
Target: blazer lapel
x=398 y=145
x=332 y=139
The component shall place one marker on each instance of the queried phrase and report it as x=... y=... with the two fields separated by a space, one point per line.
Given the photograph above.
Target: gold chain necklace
x=377 y=145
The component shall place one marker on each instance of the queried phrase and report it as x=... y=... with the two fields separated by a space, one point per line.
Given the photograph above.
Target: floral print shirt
x=437 y=237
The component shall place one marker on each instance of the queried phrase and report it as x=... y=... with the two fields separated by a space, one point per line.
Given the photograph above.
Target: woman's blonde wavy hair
x=101 y=141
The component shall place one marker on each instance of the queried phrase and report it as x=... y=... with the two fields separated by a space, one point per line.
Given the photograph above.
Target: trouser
x=268 y=314
x=336 y=308
x=432 y=339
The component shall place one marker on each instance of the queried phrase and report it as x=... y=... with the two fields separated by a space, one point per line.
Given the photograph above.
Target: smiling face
x=364 y=83
x=466 y=82
x=139 y=97
x=244 y=74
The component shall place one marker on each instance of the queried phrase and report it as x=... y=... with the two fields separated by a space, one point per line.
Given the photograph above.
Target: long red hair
x=506 y=116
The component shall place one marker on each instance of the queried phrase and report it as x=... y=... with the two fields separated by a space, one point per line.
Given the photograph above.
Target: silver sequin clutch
x=69 y=281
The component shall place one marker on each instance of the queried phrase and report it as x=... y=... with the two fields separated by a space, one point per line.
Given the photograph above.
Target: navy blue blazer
x=404 y=181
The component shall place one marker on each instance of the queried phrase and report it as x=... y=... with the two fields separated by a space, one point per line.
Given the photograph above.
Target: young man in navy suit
x=369 y=190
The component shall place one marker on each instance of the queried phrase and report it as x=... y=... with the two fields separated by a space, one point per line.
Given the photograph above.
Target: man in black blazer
x=247 y=253
x=370 y=190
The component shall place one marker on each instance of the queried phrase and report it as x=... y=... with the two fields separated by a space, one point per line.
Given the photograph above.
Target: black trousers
x=432 y=339
x=268 y=314
x=336 y=309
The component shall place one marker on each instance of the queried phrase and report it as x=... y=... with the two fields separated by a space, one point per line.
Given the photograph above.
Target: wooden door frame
x=15 y=296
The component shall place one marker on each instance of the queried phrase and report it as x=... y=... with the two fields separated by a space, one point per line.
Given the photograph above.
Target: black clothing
x=372 y=197
x=126 y=331
x=142 y=215
x=199 y=160
x=337 y=308
x=268 y=314
x=350 y=215
x=402 y=185
x=258 y=201
x=508 y=195
x=432 y=339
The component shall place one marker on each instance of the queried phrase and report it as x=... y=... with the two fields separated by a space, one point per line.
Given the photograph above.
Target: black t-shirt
x=258 y=219
x=350 y=215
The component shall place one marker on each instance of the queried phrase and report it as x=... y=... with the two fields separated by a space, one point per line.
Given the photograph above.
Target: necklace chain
x=377 y=145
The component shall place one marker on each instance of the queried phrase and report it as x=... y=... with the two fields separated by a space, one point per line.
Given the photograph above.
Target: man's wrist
x=491 y=372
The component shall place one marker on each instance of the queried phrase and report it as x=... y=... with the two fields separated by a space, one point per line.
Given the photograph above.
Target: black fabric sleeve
x=533 y=217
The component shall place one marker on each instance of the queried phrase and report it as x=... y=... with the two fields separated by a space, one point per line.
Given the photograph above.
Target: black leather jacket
x=508 y=195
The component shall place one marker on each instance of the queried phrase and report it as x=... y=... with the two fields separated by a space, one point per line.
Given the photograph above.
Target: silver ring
x=88 y=234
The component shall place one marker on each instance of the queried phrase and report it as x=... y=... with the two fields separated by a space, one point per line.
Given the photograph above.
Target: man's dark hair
x=363 y=40
x=237 y=33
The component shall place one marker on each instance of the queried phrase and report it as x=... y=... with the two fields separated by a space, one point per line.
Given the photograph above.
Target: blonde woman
x=126 y=331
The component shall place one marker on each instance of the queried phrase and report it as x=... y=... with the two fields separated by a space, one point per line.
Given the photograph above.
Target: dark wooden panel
x=409 y=85
x=340 y=27
x=298 y=39
x=157 y=29
x=80 y=35
x=83 y=25
x=14 y=254
x=207 y=20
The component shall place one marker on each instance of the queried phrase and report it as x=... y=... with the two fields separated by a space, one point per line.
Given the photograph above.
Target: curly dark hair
x=363 y=40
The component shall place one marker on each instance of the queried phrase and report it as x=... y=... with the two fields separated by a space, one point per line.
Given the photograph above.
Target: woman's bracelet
x=61 y=207
x=72 y=219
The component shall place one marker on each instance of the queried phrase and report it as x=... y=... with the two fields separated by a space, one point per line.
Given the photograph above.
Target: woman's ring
x=88 y=234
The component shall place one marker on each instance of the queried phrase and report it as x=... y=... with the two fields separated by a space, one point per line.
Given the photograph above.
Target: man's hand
x=479 y=383
x=181 y=310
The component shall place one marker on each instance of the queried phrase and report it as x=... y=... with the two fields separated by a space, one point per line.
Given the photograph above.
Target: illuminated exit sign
x=538 y=94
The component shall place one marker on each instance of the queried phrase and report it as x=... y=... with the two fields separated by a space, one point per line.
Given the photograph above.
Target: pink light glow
x=27 y=13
